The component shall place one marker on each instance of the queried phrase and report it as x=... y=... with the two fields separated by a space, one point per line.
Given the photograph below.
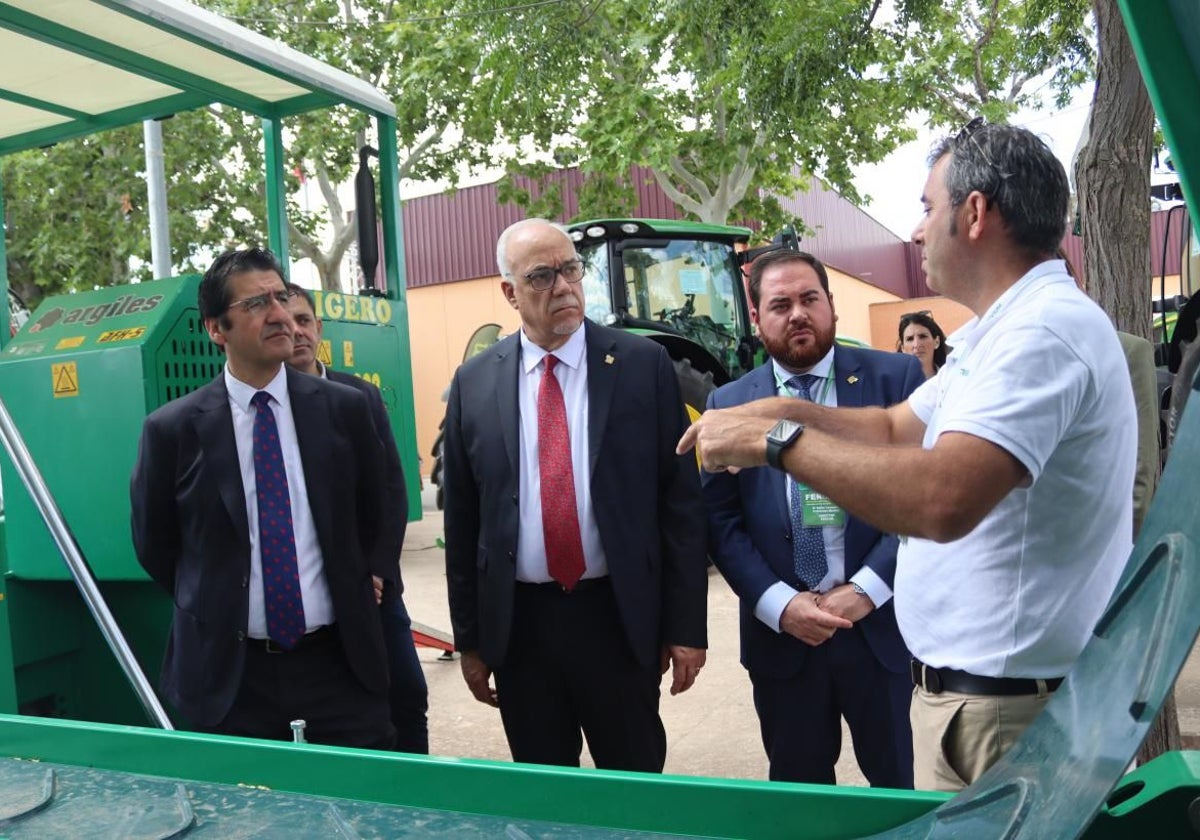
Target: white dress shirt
x=770 y=607
x=571 y=372
x=1042 y=376
x=318 y=605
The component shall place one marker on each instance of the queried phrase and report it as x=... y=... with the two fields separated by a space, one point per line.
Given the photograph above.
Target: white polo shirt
x=1042 y=375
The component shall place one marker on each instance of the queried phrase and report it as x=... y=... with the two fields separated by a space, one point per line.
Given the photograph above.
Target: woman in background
x=921 y=336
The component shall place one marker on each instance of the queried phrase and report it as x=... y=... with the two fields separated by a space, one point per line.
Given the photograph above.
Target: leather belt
x=324 y=633
x=582 y=585
x=937 y=680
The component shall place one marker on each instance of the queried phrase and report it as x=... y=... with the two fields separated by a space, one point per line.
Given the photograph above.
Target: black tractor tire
x=435 y=475
x=694 y=386
x=1181 y=388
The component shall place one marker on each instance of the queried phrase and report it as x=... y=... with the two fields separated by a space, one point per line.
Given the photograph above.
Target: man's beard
x=799 y=358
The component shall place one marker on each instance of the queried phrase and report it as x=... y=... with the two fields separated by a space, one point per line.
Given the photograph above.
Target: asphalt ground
x=711 y=729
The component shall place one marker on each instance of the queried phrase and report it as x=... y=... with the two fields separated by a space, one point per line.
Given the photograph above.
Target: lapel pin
x=608 y=359
x=851 y=379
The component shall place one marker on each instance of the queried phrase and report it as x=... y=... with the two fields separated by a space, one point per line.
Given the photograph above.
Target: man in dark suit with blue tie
x=257 y=505
x=819 y=634
x=575 y=557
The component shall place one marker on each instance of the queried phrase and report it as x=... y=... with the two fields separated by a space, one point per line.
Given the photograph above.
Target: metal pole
x=5 y=311
x=31 y=477
x=156 y=187
x=276 y=185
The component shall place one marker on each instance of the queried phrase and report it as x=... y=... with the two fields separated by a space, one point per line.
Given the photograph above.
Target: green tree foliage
x=426 y=63
x=728 y=104
x=958 y=59
x=76 y=212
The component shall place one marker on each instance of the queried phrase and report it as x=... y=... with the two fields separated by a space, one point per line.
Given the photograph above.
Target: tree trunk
x=1113 y=174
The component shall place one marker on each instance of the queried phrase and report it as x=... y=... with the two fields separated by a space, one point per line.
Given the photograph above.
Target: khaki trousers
x=956 y=737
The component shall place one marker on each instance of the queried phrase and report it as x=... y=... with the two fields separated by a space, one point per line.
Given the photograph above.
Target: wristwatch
x=858 y=589
x=782 y=435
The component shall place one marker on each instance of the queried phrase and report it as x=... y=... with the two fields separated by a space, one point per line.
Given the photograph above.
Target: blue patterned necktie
x=808 y=543
x=276 y=538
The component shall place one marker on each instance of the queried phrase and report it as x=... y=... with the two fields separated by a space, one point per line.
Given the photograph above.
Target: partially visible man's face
x=935 y=233
x=551 y=316
x=795 y=315
x=257 y=332
x=308 y=334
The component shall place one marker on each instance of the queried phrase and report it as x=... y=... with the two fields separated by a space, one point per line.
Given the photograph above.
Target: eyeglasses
x=258 y=303
x=542 y=279
x=968 y=133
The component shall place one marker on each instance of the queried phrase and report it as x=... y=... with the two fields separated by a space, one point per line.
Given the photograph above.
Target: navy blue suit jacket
x=750 y=528
x=396 y=501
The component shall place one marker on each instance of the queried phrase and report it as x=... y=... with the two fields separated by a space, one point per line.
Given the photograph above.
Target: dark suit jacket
x=191 y=535
x=396 y=501
x=646 y=498
x=750 y=524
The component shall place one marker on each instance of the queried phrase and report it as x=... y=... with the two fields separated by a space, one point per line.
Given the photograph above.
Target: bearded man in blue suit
x=818 y=631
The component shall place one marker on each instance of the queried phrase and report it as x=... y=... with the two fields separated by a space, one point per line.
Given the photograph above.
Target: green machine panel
x=363 y=337
x=79 y=379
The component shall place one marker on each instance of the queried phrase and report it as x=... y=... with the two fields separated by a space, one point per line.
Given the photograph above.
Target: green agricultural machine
x=86 y=749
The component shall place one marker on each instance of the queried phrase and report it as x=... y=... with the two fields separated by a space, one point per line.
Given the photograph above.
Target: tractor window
x=688 y=286
x=597 y=302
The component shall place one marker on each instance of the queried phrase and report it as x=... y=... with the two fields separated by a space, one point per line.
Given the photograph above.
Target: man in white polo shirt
x=1010 y=471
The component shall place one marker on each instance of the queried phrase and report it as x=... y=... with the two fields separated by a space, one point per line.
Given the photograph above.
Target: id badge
x=819 y=511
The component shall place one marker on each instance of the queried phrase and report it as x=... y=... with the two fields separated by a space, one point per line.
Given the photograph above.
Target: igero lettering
x=338 y=307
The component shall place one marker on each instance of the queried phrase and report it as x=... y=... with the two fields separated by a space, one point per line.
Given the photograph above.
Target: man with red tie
x=575 y=548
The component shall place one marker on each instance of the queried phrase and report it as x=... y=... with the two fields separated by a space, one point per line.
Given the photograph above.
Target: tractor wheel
x=435 y=475
x=1181 y=388
x=694 y=386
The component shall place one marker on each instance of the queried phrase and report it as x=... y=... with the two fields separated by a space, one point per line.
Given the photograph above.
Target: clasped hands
x=813 y=618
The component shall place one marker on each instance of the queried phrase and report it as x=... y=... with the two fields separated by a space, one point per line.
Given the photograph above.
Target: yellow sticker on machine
x=121 y=335
x=68 y=343
x=348 y=353
x=325 y=352
x=65 y=377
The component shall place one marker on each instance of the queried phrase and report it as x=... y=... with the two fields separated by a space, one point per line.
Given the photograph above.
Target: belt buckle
x=925 y=677
x=270 y=647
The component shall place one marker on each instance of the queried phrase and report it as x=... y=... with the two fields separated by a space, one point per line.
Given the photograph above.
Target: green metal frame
x=277 y=231
x=1165 y=35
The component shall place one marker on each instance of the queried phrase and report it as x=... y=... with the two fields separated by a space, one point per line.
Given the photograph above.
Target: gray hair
x=502 y=242
x=1018 y=173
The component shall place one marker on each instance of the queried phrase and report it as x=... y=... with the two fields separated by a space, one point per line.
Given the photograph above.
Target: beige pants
x=956 y=737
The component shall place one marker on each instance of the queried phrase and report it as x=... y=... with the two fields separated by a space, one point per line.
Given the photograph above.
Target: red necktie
x=560 y=518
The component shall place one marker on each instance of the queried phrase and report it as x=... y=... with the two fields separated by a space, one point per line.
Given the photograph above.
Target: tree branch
x=410 y=160
x=329 y=193
x=682 y=199
x=702 y=191
x=981 y=86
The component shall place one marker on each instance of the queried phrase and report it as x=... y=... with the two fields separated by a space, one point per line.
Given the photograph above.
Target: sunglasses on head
x=968 y=134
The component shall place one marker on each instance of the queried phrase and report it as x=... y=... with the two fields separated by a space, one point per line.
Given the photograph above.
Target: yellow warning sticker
x=68 y=343
x=121 y=335
x=65 y=378
x=348 y=353
x=325 y=352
